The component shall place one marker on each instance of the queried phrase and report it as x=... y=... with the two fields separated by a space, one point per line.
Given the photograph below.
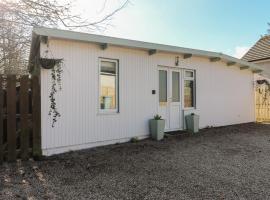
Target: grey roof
x=100 y=39
x=260 y=51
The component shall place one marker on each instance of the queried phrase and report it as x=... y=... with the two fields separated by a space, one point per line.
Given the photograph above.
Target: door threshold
x=174 y=132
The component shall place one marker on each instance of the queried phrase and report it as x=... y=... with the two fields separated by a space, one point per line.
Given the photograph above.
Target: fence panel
x=36 y=117
x=20 y=134
x=24 y=109
x=262 y=104
x=1 y=122
x=11 y=117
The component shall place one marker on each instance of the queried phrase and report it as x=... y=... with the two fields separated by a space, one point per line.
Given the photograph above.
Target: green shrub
x=134 y=140
x=157 y=117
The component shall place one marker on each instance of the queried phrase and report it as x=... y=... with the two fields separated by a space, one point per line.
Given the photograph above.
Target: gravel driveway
x=219 y=163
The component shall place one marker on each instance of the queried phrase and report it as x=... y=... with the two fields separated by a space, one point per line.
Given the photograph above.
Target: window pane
x=108 y=67
x=188 y=96
x=189 y=74
x=162 y=86
x=108 y=85
x=175 y=87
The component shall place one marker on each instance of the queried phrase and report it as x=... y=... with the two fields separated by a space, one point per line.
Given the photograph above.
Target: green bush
x=134 y=140
x=157 y=117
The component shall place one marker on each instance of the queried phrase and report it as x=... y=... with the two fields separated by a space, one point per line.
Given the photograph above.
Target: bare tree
x=13 y=45
x=17 y=17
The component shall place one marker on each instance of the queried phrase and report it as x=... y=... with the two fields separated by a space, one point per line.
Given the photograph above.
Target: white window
x=189 y=89
x=108 y=85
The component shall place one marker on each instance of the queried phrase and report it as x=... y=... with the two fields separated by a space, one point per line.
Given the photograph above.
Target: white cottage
x=111 y=87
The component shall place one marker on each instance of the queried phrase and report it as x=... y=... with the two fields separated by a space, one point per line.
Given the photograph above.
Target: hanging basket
x=47 y=63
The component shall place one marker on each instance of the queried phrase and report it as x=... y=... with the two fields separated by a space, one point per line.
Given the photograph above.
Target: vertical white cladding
x=224 y=95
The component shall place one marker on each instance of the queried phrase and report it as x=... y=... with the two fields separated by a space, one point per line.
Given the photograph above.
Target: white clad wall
x=224 y=95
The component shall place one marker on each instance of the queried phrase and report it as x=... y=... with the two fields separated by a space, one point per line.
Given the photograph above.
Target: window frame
x=108 y=111
x=186 y=78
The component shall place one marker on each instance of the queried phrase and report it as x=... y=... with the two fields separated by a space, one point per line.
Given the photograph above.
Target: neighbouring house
x=111 y=87
x=260 y=54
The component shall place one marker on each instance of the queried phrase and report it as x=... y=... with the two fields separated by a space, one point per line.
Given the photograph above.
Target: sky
x=228 y=26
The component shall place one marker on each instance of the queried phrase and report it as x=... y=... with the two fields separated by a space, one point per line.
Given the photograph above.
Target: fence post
x=1 y=121
x=24 y=109
x=11 y=117
x=36 y=115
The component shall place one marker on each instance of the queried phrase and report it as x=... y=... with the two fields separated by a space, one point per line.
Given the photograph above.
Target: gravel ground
x=219 y=163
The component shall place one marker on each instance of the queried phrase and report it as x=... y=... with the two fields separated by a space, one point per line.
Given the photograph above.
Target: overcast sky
x=228 y=26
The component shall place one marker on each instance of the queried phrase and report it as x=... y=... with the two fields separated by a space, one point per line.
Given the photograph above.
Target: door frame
x=169 y=70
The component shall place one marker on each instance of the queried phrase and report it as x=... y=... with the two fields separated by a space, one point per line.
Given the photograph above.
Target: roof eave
x=85 y=37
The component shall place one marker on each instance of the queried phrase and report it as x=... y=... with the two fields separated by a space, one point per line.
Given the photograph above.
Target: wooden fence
x=19 y=118
x=262 y=104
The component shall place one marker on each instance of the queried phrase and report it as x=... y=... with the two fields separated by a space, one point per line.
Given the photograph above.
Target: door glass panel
x=162 y=86
x=175 y=87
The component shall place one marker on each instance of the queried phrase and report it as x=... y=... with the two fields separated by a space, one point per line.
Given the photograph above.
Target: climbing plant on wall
x=56 y=77
x=263 y=87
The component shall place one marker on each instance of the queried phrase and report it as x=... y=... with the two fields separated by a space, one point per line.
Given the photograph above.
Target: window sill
x=108 y=113
x=190 y=108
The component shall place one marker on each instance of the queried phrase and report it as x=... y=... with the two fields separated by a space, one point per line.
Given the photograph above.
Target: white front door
x=170 y=97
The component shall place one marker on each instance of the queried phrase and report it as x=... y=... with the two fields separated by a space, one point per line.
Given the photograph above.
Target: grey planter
x=157 y=129
x=192 y=122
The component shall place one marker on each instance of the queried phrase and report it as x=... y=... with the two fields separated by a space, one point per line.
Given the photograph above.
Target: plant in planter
x=157 y=126
x=192 y=122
